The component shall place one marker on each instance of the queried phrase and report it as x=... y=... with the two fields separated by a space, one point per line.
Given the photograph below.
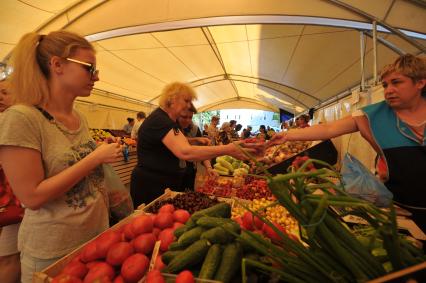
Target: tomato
x=119 y=279
x=166 y=237
x=134 y=267
x=102 y=279
x=181 y=215
x=66 y=278
x=164 y=220
x=105 y=241
x=155 y=276
x=89 y=252
x=156 y=231
x=167 y=208
x=185 y=277
x=144 y=243
x=248 y=220
x=75 y=268
x=128 y=232
x=159 y=264
x=91 y=264
x=177 y=225
x=271 y=234
x=142 y=224
x=98 y=271
x=119 y=252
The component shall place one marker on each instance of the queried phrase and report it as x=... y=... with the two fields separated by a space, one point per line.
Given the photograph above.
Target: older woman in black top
x=163 y=149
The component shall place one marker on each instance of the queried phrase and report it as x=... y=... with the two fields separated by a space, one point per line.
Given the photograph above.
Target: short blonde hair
x=30 y=62
x=408 y=65
x=172 y=90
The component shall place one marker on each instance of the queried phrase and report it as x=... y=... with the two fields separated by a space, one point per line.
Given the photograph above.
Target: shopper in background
x=395 y=128
x=193 y=134
x=246 y=132
x=140 y=117
x=129 y=126
x=205 y=130
x=302 y=121
x=10 y=266
x=213 y=131
x=262 y=133
x=163 y=149
x=235 y=134
x=46 y=151
x=225 y=133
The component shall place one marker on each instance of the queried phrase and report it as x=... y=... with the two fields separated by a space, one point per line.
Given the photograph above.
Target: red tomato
x=134 y=267
x=91 y=264
x=105 y=241
x=128 y=232
x=159 y=264
x=119 y=252
x=167 y=208
x=103 y=279
x=164 y=220
x=177 y=225
x=75 y=268
x=119 y=279
x=66 y=278
x=142 y=224
x=156 y=231
x=144 y=243
x=155 y=276
x=271 y=234
x=181 y=215
x=89 y=253
x=98 y=271
x=185 y=277
x=248 y=220
x=166 y=237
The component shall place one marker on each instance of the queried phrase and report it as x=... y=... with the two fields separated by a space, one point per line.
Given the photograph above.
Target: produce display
x=227 y=165
x=123 y=255
x=217 y=187
x=269 y=209
x=100 y=135
x=254 y=189
x=190 y=201
x=279 y=153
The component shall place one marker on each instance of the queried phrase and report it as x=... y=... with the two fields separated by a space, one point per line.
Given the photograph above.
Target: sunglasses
x=88 y=66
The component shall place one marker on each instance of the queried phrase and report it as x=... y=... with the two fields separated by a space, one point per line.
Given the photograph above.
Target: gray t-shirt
x=62 y=224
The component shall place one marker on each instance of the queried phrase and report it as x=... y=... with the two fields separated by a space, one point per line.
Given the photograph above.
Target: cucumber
x=175 y=246
x=221 y=209
x=179 y=231
x=190 y=236
x=230 y=263
x=220 y=235
x=211 y=262
x=211 y=222
x=169 y=255
x=192 y=255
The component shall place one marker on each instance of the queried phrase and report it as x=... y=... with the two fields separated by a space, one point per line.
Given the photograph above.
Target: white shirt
x=135 y=129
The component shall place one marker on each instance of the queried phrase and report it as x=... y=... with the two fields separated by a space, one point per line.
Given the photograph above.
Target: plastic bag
x=360 y=182
x=120 y=201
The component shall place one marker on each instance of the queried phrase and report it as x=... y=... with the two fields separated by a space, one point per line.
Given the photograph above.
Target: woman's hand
x=108 y=153
x=212 y=174
x=278 y=138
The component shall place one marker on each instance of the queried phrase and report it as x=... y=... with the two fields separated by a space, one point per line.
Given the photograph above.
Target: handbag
x=11 y=211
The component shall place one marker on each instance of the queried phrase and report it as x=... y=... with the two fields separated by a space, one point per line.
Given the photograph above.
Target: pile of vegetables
x=278 y=153
x=207 y=245
x=332 y=253
x=227 y=165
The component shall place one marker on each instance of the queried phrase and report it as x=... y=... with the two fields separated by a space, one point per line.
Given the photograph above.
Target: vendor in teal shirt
x=395 y=128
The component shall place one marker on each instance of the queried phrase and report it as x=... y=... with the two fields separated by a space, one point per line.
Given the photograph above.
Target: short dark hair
x=232 y=122
x=141 y=115
x=130 y=120
x=238 y=127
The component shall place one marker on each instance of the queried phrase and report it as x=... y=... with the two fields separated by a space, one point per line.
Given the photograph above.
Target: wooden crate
x=51 y=271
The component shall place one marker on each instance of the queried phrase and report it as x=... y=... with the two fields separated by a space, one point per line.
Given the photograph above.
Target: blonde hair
x=30 y=61
x=408 y=65
x=172 y=90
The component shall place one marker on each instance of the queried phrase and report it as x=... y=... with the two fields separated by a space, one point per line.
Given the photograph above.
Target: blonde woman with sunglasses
x=52 y=163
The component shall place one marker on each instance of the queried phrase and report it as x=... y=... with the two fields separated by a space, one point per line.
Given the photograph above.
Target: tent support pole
x=362 y=50
x=374 y=52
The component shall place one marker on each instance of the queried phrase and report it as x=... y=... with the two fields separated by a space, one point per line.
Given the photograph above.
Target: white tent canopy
x=261 y=54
